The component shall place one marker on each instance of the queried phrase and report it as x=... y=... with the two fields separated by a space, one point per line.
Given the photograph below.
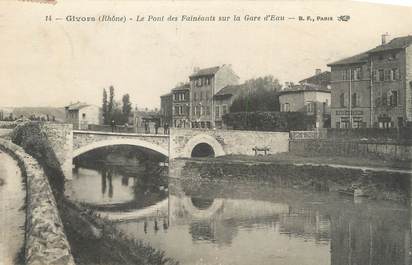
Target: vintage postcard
x=205 y=132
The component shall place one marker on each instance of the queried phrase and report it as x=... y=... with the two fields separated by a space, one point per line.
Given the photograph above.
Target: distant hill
x=40 y=111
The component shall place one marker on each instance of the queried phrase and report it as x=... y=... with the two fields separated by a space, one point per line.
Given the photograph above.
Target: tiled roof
x=358 y=58
x=304 y=88
x=166 y=95
x=182 y=87
x=206 y=71
x=322 y=78
x=231 y=90
x=396 y=43
x=77 y=106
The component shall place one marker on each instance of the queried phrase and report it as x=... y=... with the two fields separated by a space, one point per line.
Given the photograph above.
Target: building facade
x=204 y=84
x=181 y=106
x=223 y=100
x=166 y=109
x=81 y=115
x=374 y=89
x=312 y=102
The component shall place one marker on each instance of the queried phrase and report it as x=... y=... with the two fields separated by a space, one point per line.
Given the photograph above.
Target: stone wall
x=391 y=151
x=45 y=240
x=224 y=142
x=60 y=138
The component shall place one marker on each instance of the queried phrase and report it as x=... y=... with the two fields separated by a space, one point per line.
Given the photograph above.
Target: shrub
x=268 y=121
x=34 y=141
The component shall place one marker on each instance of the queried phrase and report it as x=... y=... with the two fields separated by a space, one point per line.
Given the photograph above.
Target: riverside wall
x=45 y=240
x=385 y=150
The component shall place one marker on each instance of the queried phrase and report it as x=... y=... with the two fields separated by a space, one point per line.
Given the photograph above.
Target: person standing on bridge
x=166 y=128
x=113 y=124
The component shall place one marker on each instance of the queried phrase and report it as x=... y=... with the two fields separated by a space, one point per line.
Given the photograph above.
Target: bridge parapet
x=224 y=142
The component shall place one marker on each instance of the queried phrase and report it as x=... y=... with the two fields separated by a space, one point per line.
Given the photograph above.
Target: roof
x=206 y=71
x=166 y=95
x=302 y=89
x=396 y=43
x=230 y=90
x=319 y=79
x=77 y=106
x=182 y=87
x=356 y=59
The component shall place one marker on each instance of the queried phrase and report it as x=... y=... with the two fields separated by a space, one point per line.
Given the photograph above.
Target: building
x=166 y=109
x=204 y=84
x=312 y=101
x=81 y=115
x=374 y=88
x=223 y=100
x=181 y=106
x=147 y=120
x=312 y=96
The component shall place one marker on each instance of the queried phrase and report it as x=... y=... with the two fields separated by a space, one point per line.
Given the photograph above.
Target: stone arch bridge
x=181 y=143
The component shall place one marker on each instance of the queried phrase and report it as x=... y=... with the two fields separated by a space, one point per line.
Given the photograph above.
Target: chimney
x=384 y=38
x=196 y=69
x=318 y=71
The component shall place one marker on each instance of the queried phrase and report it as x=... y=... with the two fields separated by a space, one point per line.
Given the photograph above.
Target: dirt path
x=12 y=214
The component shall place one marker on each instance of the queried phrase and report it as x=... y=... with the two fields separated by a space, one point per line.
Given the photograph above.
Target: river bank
x=95 y=240
x=290 y=158
x=291 y=172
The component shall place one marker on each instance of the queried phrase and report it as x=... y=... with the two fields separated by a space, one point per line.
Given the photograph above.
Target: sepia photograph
x=205 y=132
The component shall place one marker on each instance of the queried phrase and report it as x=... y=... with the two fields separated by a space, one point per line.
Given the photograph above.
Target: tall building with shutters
x=373 y=88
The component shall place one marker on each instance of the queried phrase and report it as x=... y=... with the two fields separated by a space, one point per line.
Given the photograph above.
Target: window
x=194 y=96
x=207 y=95
x=355 y=100
x=357 y=73
x=193 y=110
x=393 y=98
x=224 y=109
x=381 y=75
x=207 y=109
x=217 y=113
x=387 y=75
x=394 y=74
x=286 y=107
x=342 y=100
x=201 y=95
x=310 y=107
x=84 y=115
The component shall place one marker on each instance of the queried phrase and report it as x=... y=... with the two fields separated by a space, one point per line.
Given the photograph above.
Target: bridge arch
x=203 y=139
x=112 y=142
x=195 y=212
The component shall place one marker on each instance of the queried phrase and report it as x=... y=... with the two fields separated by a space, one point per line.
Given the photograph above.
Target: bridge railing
x=125 y=129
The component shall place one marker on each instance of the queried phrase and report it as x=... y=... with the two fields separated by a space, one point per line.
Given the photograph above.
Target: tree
x=111 y=105
x=126 y=107
x=105 y=108
x=260 y=94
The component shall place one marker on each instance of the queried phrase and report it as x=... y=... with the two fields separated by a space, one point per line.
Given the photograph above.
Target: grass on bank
x=95 y=240
x=290 y=158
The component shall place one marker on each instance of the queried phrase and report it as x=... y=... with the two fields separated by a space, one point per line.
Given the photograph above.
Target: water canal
x=12 y=214
x=244 y=222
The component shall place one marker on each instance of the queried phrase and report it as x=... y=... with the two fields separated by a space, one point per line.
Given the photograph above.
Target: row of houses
x=370 y=89
x=209 y=93
x=201 y=102
x=374 y=88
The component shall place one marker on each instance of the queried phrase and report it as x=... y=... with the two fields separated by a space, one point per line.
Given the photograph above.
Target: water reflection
x=218 y=222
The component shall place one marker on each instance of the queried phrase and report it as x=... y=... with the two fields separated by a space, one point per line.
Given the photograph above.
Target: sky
x=56 y=63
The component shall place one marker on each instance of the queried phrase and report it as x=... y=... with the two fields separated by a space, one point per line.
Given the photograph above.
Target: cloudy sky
x=55 y=63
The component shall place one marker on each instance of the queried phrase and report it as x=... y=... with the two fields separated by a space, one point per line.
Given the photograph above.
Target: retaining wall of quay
x=391 y=151
x=45 y=240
